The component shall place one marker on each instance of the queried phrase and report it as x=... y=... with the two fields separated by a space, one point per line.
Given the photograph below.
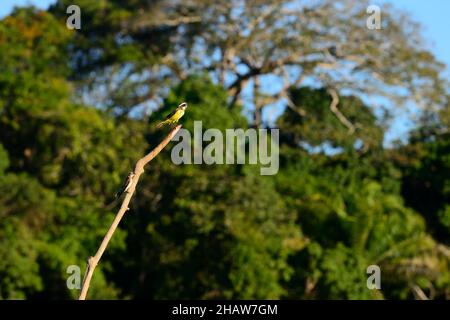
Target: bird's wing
x=170 y=115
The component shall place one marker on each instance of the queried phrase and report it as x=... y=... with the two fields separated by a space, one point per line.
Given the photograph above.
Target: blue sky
x=434 y=16
x=7 y=5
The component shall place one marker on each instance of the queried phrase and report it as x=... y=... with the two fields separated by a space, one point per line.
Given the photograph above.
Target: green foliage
x=19 y=270
x=344 y=275
x=115 y=36
x=206 y=102
x=31 y=41
x=4 y=159
x=427 y=185
x=60 y=159
x=215 y=231
x=352 y=220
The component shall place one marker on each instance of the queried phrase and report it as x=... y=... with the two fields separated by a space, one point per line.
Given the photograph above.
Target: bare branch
x=338 y=113
x=138 y=170
x=301 y=112
x=418 y=293
x=144 y=22
x=180 y=20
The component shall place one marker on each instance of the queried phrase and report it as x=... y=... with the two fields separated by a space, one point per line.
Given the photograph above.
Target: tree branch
x=138 y=170
x=285 y=94
x=418 y=293
x=338 y=113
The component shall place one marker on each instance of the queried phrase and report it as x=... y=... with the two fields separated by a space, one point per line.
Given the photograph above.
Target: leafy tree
x=51 y=213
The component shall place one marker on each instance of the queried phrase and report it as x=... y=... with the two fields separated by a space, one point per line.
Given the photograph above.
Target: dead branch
x=338 y=113
x=284 y=92
x=300 y=111
x=138 y=170
x=418 y=293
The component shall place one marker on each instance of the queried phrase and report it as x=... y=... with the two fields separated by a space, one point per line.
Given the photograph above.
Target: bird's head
x=182 y=106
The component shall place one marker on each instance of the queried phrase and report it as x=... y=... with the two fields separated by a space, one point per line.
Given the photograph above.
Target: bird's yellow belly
x=177 y=115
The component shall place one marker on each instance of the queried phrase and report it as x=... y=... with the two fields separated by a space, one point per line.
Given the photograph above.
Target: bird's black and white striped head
x=182 y=106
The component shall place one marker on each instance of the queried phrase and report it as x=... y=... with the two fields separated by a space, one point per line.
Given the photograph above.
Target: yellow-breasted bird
x=174 y=116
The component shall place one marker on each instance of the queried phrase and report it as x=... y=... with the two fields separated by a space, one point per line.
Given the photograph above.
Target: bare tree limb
x=338 y=113
x=284 y=92
x=138 y=170
x=301 y=112
x=144 y=22
x=253 y=24
x=418 y=293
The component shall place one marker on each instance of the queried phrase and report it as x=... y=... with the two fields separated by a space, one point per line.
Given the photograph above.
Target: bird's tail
x=159 y=125
x=112 y=204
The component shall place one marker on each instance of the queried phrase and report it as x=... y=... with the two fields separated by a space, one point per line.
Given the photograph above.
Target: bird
x=126 y=185
x=174 y=116
x=125 y=188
